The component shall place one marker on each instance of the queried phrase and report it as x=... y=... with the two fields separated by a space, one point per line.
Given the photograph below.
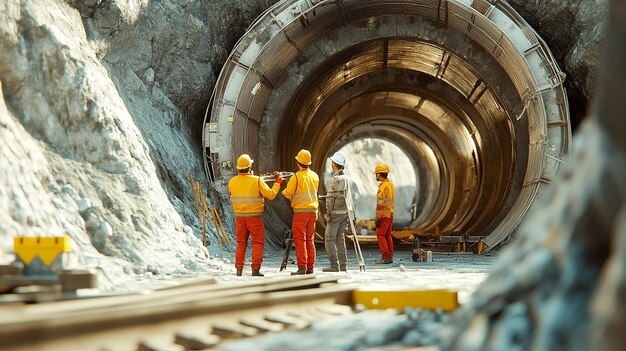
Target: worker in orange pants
x=249 y=227
x=302 y=189
x=384 y=214
x=303 y=228
x=247 y=194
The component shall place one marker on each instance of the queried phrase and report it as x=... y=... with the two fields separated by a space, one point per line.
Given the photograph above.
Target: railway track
x=190 y=317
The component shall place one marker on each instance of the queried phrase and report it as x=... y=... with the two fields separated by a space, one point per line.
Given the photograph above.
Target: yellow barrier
x=47 y=248
x=427 y=299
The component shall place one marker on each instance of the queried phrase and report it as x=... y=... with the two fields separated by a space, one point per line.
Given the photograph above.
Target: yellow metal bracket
x=427 y=299
x=47 y=248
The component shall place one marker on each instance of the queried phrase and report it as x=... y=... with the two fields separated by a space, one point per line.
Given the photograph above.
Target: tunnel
x=467 y=89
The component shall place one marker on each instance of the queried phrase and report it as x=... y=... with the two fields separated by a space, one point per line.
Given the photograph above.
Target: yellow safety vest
x=384 y=199
x=302 y=191
x=247 y=192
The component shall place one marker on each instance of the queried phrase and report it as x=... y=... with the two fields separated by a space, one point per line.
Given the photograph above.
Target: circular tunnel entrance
x=465 y=88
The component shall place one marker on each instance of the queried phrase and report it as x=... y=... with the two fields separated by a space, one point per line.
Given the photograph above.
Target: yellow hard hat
x=304 y=157
x=382 y=168
x=244 y=161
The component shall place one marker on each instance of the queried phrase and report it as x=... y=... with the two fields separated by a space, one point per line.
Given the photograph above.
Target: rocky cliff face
x=573 y=30
x=561 y=284
x=99 y=119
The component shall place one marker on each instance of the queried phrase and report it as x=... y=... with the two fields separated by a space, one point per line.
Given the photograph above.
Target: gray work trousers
x=335 y=240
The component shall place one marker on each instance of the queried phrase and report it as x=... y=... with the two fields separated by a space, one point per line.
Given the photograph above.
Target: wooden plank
x=336 y=310
x=196 y=342
x=194 y=283
x=145 y=345
x=232 y=330
x=262 y=325
x=105 y=303
x=164 y=308
x=6 y=270
x=72 y=280
x=288 y=320
x=117 y=331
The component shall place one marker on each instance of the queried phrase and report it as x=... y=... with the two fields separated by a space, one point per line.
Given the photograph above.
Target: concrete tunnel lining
x=412 y=125
x=330 y=130
x=280 y=52
x=454 y=101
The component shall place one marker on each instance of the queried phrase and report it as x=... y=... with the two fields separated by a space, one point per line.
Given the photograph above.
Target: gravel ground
x=374 y=330
x=456 y=271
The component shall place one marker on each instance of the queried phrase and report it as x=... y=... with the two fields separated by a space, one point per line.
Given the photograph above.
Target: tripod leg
x=357 y=247
x=283 y=265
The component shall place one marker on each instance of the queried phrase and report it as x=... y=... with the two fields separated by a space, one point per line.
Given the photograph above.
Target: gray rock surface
x=102 y=100
x=560 y=285
x=574 y=31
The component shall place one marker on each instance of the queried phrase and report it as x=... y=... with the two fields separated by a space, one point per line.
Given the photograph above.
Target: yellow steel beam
x=427 y=299
x=47 y=248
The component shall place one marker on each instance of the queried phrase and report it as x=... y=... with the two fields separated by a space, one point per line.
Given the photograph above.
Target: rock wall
x=573 y=30
x=99 y=124
x=561 y=285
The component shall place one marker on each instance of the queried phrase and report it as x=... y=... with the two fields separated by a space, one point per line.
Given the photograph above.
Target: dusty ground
x=457 y=271
x=374 y=329
x=368 y=330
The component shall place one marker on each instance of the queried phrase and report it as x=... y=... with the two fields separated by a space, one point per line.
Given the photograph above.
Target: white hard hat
x=339 y=158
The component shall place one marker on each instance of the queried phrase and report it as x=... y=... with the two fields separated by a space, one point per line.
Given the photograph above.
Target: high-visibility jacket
x=247 y=192
x=384 y=199
x=338 y=195
x=302 y=191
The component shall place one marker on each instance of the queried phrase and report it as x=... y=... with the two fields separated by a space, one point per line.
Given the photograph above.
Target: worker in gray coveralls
x=338 y=207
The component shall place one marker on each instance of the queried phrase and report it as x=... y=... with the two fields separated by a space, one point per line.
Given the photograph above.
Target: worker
x=247 y=193
x=384 y=214
x=338 y=209
x=301 y=189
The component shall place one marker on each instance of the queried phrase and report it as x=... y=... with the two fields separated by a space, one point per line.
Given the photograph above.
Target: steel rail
x=163 y=318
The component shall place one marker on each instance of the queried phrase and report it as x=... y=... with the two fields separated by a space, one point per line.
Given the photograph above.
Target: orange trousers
x=244 y=228
x=303 y=228
x=383 y=234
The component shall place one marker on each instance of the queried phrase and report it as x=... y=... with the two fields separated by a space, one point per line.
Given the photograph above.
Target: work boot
x=309 y=271
x=239 y=272
x=299 y=272
x=257 y=273
x=384 y=261
x=330 y=269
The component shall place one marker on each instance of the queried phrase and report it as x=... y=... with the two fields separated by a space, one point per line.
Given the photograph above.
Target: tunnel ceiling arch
x=466 y=88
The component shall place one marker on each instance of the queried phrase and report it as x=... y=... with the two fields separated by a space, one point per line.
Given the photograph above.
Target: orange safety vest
x=302 y=191
x=247 y=192
x=384 y=199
